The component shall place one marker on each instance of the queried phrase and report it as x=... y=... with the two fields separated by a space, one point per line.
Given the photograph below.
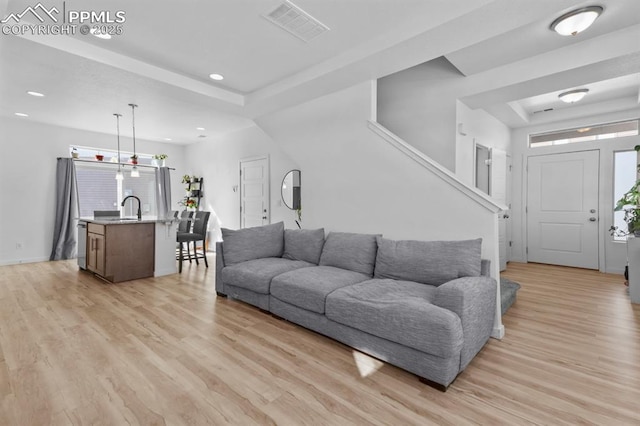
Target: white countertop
x=127 y=220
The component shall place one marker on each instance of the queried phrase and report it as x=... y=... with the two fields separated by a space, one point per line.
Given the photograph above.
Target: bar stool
x=198 y=233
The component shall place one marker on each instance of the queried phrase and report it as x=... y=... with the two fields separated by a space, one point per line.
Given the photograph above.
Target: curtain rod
x=115 y=164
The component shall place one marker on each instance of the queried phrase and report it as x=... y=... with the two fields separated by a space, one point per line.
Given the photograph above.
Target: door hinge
x=510 y=243
x=526 y=209
x=527 y=250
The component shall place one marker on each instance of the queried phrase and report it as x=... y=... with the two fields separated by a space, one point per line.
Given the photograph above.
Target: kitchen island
x=123 y=249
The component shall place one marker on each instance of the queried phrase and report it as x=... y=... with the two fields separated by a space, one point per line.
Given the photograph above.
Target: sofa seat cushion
x=308 y=288
x=399 y=311
x=256 y=275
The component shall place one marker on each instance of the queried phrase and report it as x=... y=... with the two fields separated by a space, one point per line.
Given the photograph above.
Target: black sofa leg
x=436 y=386
x=221 y=294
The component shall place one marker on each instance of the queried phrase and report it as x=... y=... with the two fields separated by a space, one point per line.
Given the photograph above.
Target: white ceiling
x=514 y=64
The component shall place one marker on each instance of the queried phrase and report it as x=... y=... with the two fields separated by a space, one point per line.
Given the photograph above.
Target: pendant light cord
x=133 y=120
x=118 y=129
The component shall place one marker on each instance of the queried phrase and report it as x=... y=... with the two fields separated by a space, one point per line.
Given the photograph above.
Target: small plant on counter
x=134 y=159
x=160 y=156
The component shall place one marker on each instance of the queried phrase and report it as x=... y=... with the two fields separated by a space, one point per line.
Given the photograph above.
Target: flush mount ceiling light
x=216 y=77
x=573 y=95
x=36 y=94
x=199 y=128
x=21 y=114
x=576 y=21
x=95 y=33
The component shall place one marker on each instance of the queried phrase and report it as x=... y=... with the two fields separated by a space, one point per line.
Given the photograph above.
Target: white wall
x=479 y=127
x=354 y=181
x=419 y=105
x=612 y=254
x=28 y=153
x=218 y=162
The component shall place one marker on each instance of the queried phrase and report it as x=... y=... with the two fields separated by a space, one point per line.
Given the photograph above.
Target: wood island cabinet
x=121 y=252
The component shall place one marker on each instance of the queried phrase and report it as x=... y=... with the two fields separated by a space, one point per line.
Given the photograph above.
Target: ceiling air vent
x=291 y=18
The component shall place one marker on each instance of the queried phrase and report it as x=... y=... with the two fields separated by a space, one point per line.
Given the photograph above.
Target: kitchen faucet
x=133 y=196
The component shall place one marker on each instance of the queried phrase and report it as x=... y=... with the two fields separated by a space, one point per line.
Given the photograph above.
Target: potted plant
x=189 y=203
x=159 y=159
x=134 y=159
x=74 y=153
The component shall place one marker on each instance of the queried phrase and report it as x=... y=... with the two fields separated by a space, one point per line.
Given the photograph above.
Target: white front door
x=254 y=192
x=562 y=209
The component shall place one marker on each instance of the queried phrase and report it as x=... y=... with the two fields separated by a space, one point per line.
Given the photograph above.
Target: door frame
x=268 y=178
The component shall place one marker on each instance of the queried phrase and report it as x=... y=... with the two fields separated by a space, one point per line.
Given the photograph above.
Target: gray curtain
x=164 y=192
x=65 y=232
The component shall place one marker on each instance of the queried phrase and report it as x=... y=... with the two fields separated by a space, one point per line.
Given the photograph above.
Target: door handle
x=505 y=216
x=592 y=219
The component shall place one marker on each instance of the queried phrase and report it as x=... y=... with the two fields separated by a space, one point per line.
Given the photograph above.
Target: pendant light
x=134 y=171
x=119 y=175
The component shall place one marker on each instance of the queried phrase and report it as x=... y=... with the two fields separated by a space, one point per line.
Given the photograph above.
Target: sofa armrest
x=473 y=299
x=219 y=266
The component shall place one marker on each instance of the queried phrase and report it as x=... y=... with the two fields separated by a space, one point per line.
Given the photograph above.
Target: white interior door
x=562 y=209
x=254 y=192
x=500 y=176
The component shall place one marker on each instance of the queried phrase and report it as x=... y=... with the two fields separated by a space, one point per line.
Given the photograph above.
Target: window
x=584 y=134
x=624 y=167
x=99 y=190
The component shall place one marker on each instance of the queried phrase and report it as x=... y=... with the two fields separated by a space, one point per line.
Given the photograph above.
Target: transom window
x=98 y=188
x=585 y=134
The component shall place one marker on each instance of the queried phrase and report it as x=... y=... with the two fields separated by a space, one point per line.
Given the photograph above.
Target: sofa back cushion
x=355 y=252
x=428 y=262
x=303 y=244
x=252 y=243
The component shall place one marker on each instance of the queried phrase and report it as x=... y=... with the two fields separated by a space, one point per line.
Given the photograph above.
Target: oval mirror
x=291 y=189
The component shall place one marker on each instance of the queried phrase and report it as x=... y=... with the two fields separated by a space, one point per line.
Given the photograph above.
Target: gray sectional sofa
x=427 y=307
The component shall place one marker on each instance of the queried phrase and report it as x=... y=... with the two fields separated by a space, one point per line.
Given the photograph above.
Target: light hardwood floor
x=76 y=350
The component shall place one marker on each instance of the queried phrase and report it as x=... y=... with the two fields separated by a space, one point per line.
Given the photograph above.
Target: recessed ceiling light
x=200 y=128
x=576 y=21
x=573 y=95
x=100 y=35
x=36 y=94
x=216 y=77
x=167 y=139
x=21 y=114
